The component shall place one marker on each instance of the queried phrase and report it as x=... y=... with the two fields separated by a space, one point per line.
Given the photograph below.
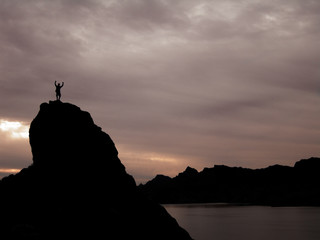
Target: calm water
x=220 y=222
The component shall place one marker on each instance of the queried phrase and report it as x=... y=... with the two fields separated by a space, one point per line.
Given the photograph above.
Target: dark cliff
x=275 y=185
x=77 y=187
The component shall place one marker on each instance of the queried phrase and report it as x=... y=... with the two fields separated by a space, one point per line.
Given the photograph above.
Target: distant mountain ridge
x=275 y=185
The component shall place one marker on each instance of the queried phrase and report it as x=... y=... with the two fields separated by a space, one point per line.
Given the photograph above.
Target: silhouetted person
x=58 y=89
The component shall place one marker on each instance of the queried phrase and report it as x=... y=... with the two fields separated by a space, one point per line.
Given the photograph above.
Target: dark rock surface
x=77 y=187
x=275 y=185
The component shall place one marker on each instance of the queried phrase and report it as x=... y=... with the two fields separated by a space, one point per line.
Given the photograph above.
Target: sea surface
x=225 y=222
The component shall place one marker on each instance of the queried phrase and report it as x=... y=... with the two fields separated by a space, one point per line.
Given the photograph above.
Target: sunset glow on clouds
x=201 y=82
x=9 y=170
x=15 y=151
x=15 y=129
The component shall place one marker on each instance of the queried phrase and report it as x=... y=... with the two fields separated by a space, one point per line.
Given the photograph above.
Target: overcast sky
x=173 y=82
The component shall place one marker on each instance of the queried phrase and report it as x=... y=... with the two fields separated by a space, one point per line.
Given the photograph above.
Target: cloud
x=203 y=82
x=14 y=152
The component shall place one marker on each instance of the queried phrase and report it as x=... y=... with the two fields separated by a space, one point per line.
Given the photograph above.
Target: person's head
x=59 y=84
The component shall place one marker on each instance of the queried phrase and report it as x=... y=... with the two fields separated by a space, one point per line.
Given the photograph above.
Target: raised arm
x=62 y=84
x=55 y=83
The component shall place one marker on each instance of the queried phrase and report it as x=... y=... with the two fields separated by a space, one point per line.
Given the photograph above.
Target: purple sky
x=174 y=83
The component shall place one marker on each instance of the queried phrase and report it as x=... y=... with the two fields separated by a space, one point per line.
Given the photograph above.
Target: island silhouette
x=77 y=187
x=272 y=186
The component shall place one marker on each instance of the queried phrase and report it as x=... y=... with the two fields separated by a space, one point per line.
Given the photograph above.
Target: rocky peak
x=189 y=172
x=62 y=131
x=77 y=186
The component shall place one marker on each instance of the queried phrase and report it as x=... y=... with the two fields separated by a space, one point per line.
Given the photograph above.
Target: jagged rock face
x=65 y=140
x=62 y=132
x=77 y=186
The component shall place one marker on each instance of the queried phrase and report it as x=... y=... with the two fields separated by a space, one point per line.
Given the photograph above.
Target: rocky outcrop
x=275 y=185
x=77 y=187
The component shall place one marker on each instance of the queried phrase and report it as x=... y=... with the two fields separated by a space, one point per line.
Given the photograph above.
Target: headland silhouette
x=77 y=187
